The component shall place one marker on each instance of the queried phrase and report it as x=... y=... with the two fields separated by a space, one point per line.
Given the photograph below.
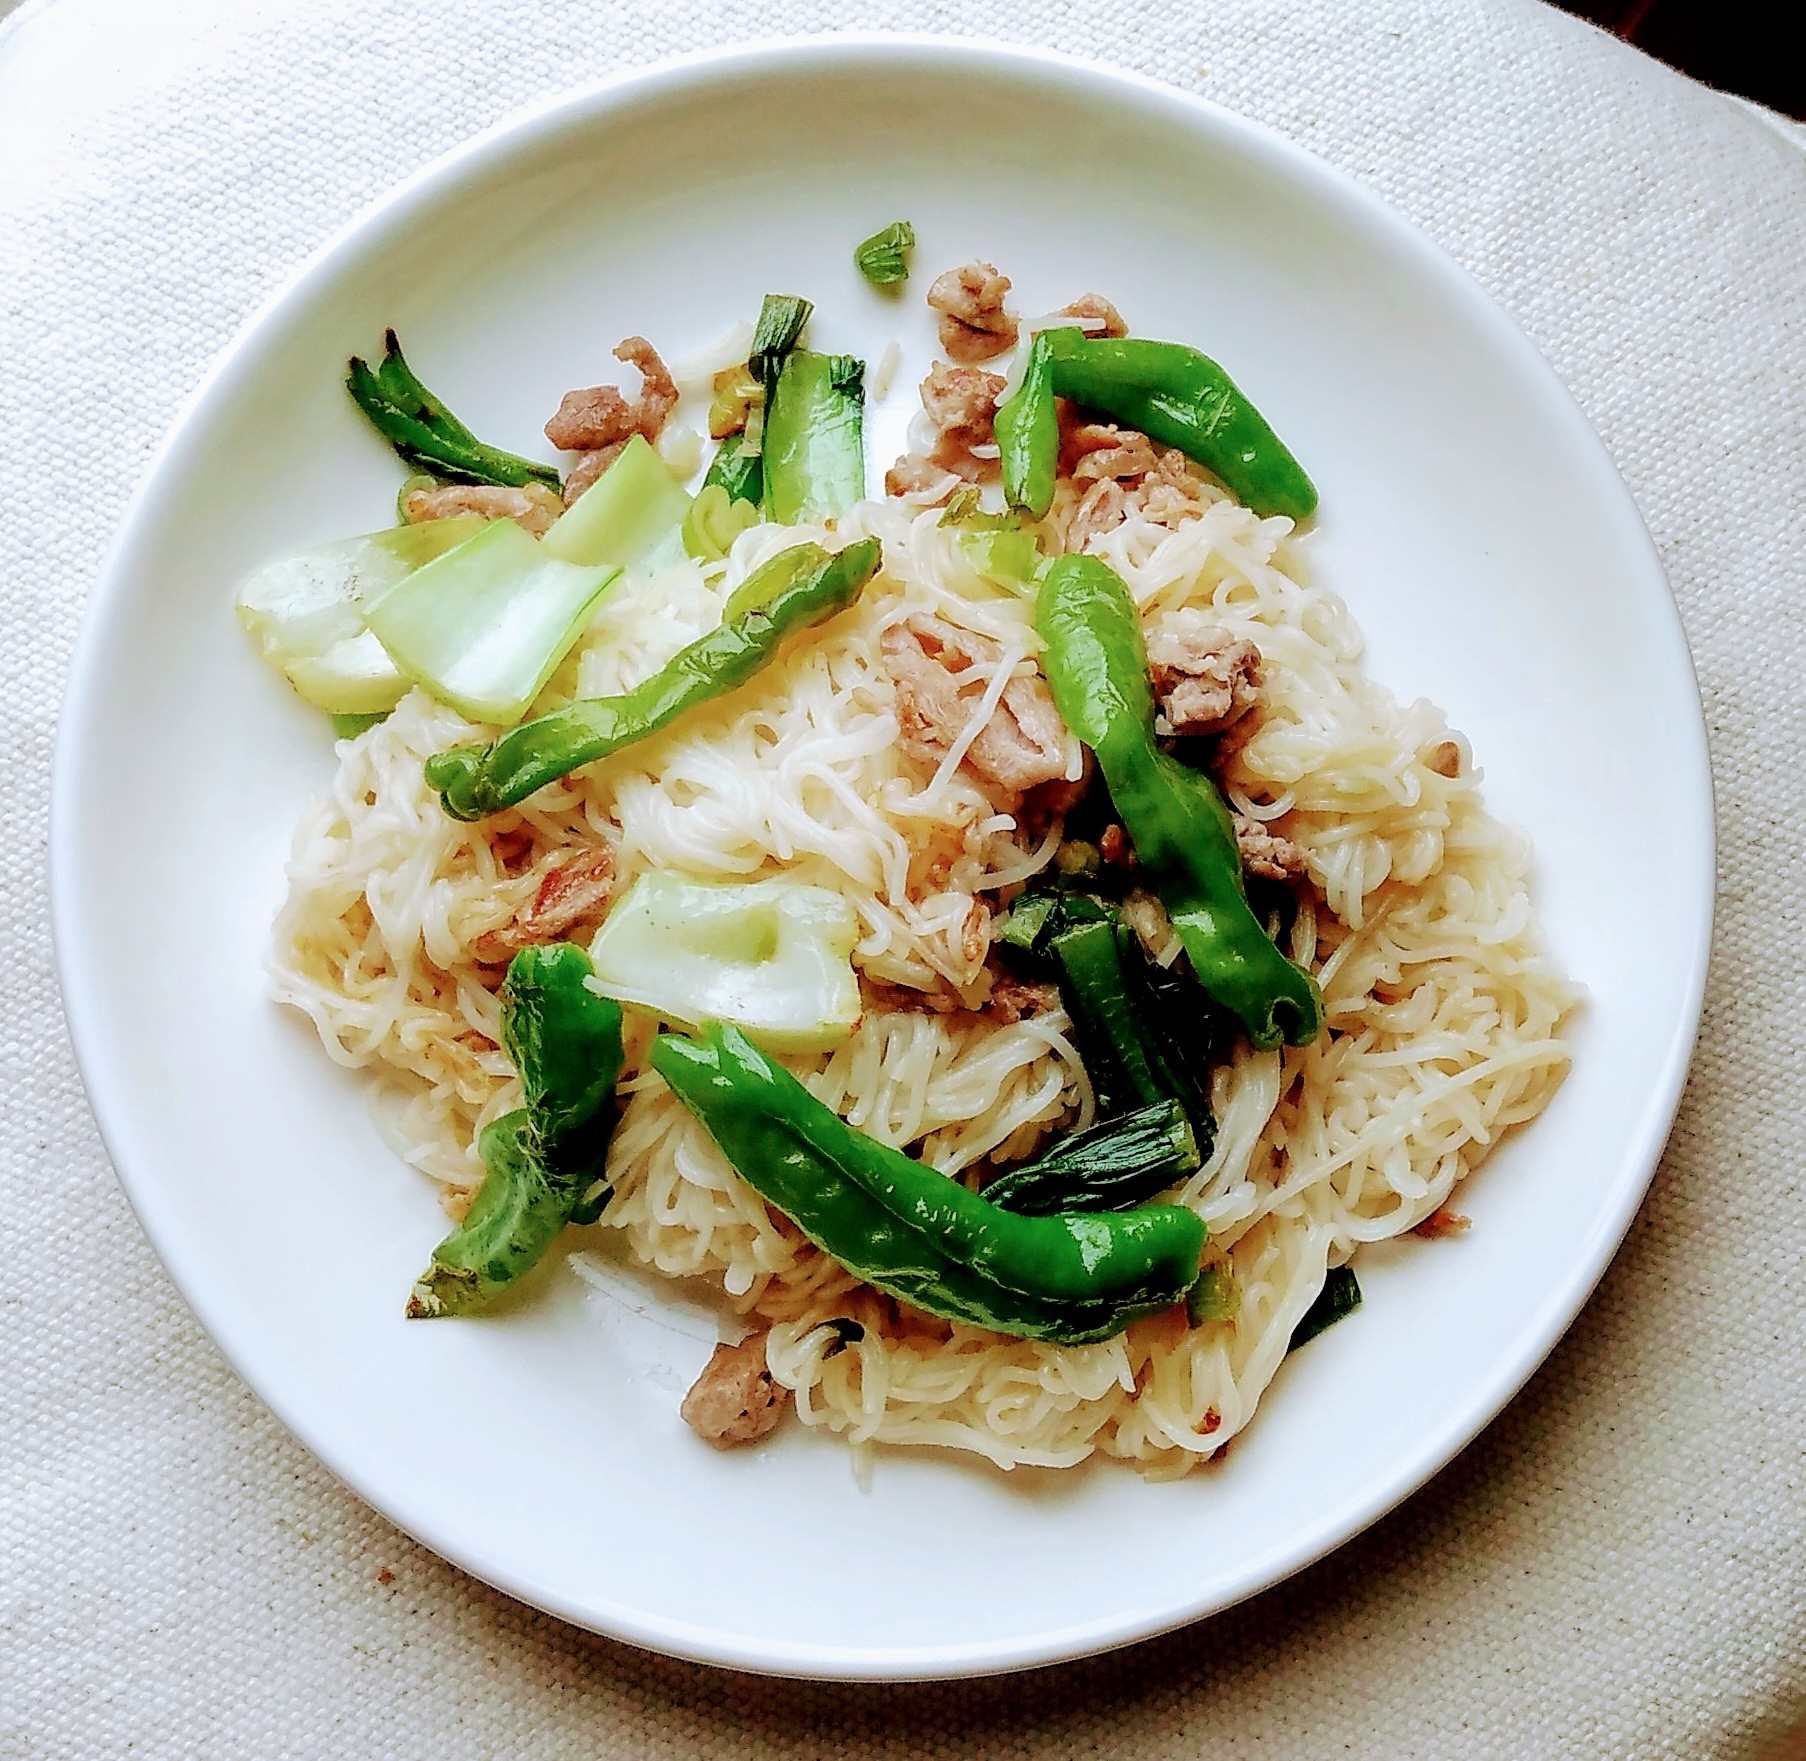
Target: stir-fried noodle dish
x=990 y=936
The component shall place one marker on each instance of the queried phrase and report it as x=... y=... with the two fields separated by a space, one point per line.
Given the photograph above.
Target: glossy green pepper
x=800 y=587
x=1028 y=433
x=1096 y=664
x=543 y=1160
x=911 y=1231
x=1172 y=393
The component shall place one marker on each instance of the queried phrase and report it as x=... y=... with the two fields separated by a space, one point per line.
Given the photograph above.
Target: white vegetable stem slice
x=306 y=613
x=774 y=957
x=484 y=626
x=625 y=516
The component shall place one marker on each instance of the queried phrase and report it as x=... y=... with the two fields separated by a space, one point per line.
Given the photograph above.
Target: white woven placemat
x=1617 y=1568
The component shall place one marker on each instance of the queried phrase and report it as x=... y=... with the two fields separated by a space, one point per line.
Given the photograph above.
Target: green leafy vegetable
x=484 y=626
x=544 y=1160
x=813 y=447
x=1114 y=1166
x=348 y=727
x=625 y=517
x=739 y=471
x=1336 y=1301
x=1216 y=1296
x=425 y=433
x=307 y=613
x=799 y=587
x=774 y=957
x=883 y=259
x=781 y=321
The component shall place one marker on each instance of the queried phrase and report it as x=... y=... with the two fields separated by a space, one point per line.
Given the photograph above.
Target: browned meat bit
x=1445 y=759
x=962 y=404
x=1102 y=508
x=568 y=894
x=599 y=421
x=533 y=506
x=1443 y=1222
x=974 y=325
x=604 y=414
x=1100 y=449
x=1204 y=679
x=736 y=1399
x=1096 y=316
x=915 y=476
x=908 y=999
x=934 y=667
x=589 y=468
x=1266 y=853
x=1012 y=1000
x=1115 y=849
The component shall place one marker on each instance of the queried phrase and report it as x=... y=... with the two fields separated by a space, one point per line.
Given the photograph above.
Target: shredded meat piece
x=1102 y=508
x=1203 y=679
x=1013 y=999
x=588 y=468
x=736 y=1399
x=1445 y=759
x=1442 y=1222
x=1266 y=853
x=1097 y=317
x=533 y=506
x=940 y=999
x=568 y=894
x=1101 y=449
x=1115 y=849
x=933 y=667
x=603 y=415
x=962 y=404
x=927 y=483
x=974 y=326
x=1046 y=802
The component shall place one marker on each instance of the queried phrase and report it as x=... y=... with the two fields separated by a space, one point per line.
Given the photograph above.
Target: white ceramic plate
x=1468 y=513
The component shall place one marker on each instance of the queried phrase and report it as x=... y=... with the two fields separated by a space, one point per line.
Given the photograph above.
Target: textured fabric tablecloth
x=1616 y=1568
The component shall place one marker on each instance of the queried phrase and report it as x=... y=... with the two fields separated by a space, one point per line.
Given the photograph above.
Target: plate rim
x=518 y=133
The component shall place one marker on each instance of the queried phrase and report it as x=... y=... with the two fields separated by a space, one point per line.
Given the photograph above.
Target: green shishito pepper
x=800 y=587
x=543 y=1159
x=1172 y=393
x=1097 y=666
x=1073 y=1279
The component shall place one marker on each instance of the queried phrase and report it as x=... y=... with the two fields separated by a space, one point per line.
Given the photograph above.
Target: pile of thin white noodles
x=1443 y=1014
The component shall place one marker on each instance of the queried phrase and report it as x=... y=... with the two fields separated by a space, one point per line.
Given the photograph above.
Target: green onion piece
x=774 y=957
x=622 y=520
x=1336 y=1301
x=1215 y=1296
x=814 y=438
x=1114 y=1166
x=781 y=321
x=483 y=627
x=348 y=727
x=714 y=521
x=883 y=259
x=739 y=468
x=425 y=433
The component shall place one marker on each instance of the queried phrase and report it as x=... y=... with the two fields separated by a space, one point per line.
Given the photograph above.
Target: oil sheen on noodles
x=1444 y=1015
